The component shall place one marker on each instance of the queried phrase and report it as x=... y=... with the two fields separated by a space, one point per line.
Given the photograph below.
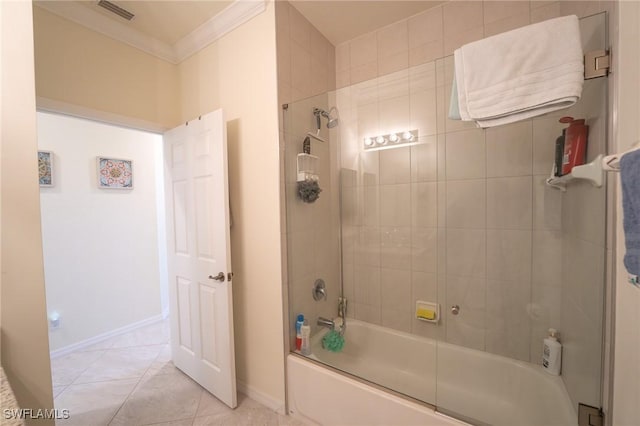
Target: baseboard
x=104 y=336
x=261 y=397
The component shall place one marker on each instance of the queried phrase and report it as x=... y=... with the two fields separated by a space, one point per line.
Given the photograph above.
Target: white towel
x=521 y=73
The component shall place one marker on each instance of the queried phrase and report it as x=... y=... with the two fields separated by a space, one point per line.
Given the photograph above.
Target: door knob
x=219 y=277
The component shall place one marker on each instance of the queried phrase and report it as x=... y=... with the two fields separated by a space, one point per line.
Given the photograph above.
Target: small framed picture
x=115 y=173
x=45 y=168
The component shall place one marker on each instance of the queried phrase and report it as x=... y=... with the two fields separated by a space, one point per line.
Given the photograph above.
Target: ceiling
x=174 y=29
x=340 y=21
x=167 y=21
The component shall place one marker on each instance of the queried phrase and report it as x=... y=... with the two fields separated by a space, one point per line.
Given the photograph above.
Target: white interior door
x=199 y=256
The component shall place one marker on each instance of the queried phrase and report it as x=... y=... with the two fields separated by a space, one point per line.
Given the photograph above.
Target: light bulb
x=368 y=141
x=407 y=136
x=394 y=138
x=381 y=140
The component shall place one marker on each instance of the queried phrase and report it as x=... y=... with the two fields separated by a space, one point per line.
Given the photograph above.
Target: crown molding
x=227 y=20
x=234 y=15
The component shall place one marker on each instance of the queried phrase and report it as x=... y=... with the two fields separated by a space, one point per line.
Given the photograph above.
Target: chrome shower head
x=331 y=122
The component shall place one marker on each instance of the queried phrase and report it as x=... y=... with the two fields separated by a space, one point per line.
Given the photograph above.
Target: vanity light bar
x=392 y=139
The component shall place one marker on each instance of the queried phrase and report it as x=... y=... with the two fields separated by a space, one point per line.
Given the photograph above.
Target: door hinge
x=596 y=64
x=590 y=416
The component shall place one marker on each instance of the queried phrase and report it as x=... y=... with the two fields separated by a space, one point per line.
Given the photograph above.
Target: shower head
x=331 y=121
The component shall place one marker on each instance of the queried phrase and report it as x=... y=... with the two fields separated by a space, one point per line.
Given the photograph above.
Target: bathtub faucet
x=323 y=322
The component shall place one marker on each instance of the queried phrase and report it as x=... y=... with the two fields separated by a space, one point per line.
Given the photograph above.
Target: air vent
x=113 y=8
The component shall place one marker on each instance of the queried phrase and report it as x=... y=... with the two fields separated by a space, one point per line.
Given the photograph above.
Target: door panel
x=198 y=252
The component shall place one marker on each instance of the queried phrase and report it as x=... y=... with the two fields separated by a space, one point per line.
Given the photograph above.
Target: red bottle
x=575 y=144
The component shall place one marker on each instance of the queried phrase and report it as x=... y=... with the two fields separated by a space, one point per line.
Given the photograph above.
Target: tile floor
x=130 y=380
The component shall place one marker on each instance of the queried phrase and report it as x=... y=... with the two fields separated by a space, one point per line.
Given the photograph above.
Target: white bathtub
x=475 y=385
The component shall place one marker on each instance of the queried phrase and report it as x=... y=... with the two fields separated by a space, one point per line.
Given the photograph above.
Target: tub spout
x=323 y=322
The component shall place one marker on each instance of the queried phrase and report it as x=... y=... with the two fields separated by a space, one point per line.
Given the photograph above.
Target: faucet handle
x=319 y=290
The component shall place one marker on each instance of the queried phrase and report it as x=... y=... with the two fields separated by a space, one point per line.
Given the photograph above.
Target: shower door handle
x=219 y=277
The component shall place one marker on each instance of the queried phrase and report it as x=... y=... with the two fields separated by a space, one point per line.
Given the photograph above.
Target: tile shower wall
x=464 y=217
x=310 y=232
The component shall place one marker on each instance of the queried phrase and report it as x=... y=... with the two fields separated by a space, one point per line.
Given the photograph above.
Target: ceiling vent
x=113 y=8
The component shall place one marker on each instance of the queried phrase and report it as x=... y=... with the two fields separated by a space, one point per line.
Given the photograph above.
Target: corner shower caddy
x=591 y=172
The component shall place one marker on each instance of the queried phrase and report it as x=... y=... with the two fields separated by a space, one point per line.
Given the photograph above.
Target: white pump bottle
x=552 y=353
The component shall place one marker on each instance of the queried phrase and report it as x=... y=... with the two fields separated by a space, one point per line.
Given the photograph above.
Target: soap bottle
x=557 y=170
x=299 y=324
x=575 y=144
x=552 y=353
x=305 y=330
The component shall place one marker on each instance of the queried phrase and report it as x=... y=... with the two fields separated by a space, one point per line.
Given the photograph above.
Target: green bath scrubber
x=333 y=341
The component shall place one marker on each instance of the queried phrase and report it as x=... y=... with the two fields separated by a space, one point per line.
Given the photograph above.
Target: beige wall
x=82 y=67
x=238 y=73
x=25 y=344
x=626 y=390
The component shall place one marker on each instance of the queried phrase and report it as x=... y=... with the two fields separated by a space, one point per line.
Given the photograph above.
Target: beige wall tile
x=424 y=204
x=300 y=29
x=364 y=50
x=395 y=165
x=508 y=255
x=422 y=77
x=466 y=204
x=499 y=10
x=581 y=8
x=509 y=150
x=343 y=56
x=367 y=249
x=392 y=63
x=301 y=70
x=343 y=78
x=547 y=205
x=395 y=247
x=546 y=263
x=549 y=10
x=423 y=111
x=393 y=85
x=394 y=114
x=392 y=39
x=509 y=203
x=424 y=166
x=318 y=77
x=508 y=325
x=466 y=252
x=424 y=250
x=363 y=72
x=395 y=286
x=367 y=285
x=318 y=45
x=370 y=207
x=394 y=200
x=545 y=314
x=459 y=16
x=425 y=27
x=507 y=24
x=468 y=327
x=458 y=39
x=465 y=155
x=426 y=52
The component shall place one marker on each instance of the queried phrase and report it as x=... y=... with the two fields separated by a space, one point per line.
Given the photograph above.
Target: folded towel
x=630 y=179
x=521 y=73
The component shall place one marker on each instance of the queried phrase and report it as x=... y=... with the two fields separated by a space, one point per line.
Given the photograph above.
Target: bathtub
x=474 y=385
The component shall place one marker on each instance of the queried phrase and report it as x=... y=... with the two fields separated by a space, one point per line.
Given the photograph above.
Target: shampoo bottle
x=305 y=349
x=299 y=324
x=552 y=353
x=575 y=144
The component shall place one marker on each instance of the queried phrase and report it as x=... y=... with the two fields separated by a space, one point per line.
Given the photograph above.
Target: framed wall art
x=45 y=168
x=115 y=173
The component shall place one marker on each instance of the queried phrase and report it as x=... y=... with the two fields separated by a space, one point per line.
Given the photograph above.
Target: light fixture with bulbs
x=391 y=140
